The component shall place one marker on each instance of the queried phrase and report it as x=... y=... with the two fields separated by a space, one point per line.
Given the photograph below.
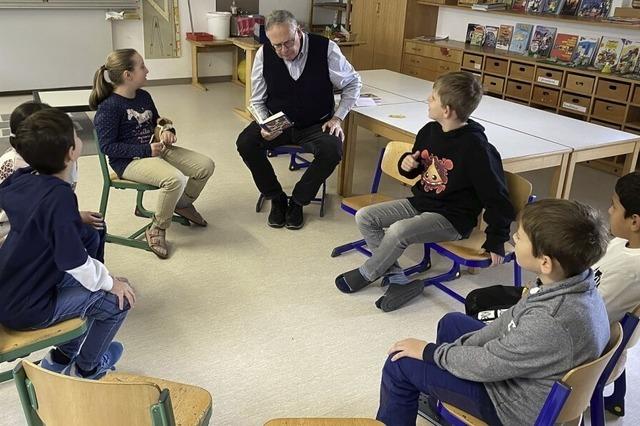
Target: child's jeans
x=103 y=315
x=406 y=226
x=403 y=380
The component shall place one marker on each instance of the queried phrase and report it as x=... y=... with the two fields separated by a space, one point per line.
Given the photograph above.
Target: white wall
x=42 y=49
x=299 y=8
x=130 y=34
x=453 y=22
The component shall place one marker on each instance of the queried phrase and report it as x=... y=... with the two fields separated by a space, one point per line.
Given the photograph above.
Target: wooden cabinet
x=425 y=61
x=383 y=25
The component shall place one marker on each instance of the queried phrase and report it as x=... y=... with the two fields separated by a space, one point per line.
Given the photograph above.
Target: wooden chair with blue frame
x=111 y=180
x=568 y=398
x=469 y=252
x=49 y=398
x=16 y=344
x=615 y=373
x=296 y=162
x=387 y=164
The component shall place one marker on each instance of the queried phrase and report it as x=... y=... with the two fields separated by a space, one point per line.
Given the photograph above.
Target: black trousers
x=326 y=150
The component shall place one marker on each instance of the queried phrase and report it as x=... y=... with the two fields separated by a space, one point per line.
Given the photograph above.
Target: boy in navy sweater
x=461 y=174
x=46 y=275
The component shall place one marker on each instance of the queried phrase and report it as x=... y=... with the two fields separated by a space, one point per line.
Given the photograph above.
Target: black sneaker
x=277 y=213
x=294 y=218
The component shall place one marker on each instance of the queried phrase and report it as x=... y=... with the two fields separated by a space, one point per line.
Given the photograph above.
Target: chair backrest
x=520 y=190
x=59 y=399
x=392 y=154
x=582 y=380
x=104 y=167
x=635 y=336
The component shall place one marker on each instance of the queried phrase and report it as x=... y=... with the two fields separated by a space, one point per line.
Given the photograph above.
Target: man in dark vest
x=296 y=73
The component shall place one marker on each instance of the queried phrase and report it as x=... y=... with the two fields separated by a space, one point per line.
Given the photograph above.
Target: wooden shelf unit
x=605 y=99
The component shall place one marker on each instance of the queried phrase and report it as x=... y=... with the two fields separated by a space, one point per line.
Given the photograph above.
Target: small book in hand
x=274 y=123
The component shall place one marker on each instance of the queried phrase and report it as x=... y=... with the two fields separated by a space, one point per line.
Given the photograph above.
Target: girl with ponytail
x=141 y=146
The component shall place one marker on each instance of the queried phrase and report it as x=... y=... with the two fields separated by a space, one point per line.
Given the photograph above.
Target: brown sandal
x=157 y=242
x=191 y=214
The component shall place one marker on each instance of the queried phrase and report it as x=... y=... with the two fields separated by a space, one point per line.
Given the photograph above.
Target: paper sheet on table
x=365 y=102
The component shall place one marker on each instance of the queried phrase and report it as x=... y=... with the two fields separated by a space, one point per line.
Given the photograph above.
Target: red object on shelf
x=199 y=37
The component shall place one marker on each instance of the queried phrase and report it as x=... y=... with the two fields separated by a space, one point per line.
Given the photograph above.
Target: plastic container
x=219 y=23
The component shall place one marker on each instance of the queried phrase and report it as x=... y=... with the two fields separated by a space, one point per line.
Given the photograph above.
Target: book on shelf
x=488 y=6
x=585 y=51
x=553 y=7
x=504 y=37
x=594 y=8
x=470 y=29
x=520 y=39
x=608 y=53
x=542 y=41
x=570 y=7
x=477 y=37
x=432 y=38
x=519 y=5
x=564 y=47
x=274 y=123
x=628 y=57
x=535 y=6
x=490 y=36
x=622 y=19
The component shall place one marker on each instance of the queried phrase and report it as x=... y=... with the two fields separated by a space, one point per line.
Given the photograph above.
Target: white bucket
x=219 y=23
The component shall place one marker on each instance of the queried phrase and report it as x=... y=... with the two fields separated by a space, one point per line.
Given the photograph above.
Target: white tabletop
x=386 y=98
x=65 y=98
x=511 y=144
x=401 y=84
x=575 y=134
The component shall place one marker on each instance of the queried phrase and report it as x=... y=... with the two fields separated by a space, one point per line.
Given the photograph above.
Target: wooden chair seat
x=12 y=341
x=471 y=248
x=358 y=202
x=464 y=416
x=323 y=422
x=191 y=404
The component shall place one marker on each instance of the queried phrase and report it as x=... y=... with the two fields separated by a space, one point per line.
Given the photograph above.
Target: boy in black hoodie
x=461 y=174
x=46 y=274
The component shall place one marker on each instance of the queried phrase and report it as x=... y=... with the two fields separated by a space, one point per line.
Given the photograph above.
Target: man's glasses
x=288 y=44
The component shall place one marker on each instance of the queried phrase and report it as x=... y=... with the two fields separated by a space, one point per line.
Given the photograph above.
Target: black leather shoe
x=294 y=218
x=278 y=211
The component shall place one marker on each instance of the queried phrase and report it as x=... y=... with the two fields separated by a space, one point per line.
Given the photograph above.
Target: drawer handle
x=493 y=83
x=579 y=83
x=473 y=61
x=496 y=64
x=518 y=87
x=545 y=93
x=445 y=51
x=613 y=87
x=575 y=100
x=608 y=107
x=522 y=69
x=549 y=74
x=416 y=49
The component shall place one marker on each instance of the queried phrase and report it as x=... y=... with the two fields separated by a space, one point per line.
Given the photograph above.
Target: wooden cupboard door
x=363 y=24
x=389 y=33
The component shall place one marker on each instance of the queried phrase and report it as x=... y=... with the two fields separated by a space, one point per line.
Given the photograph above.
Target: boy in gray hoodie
x=503 y=372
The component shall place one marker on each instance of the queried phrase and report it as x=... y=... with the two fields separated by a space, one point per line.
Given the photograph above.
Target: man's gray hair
x=281 y=17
